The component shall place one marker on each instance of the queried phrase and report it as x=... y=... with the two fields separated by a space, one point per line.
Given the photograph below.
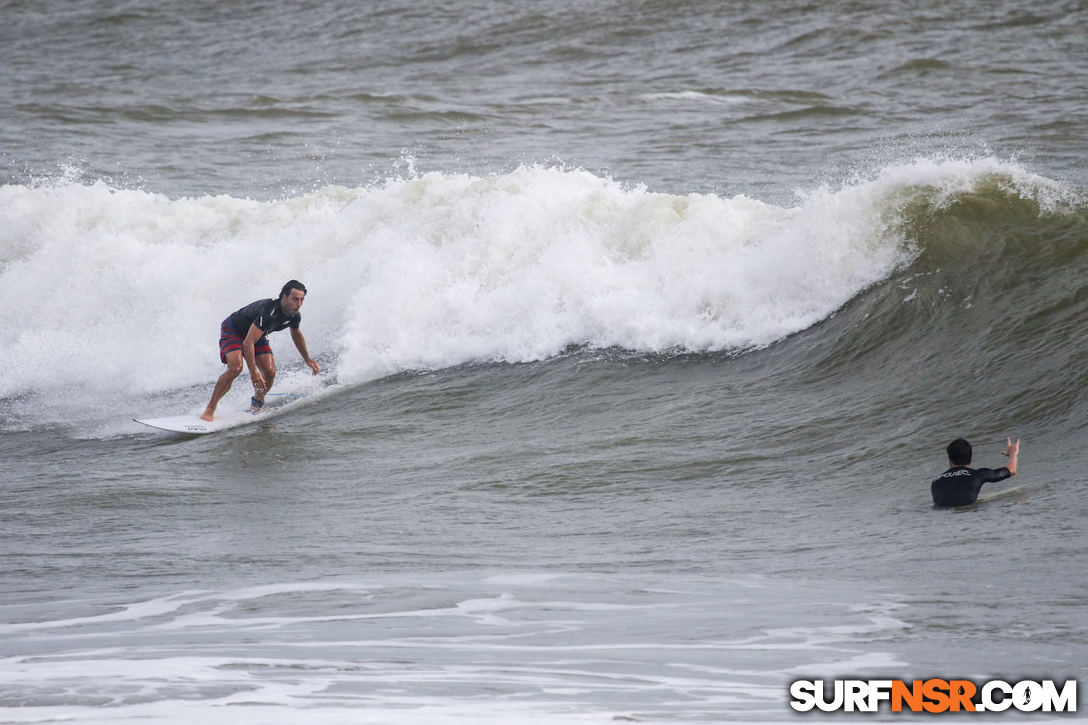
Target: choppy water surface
x=642 y=330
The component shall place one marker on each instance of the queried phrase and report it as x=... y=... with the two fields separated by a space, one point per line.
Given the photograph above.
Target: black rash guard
x=267 y=315
x=960 y=485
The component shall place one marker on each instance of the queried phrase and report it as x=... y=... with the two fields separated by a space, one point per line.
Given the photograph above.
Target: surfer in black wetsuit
x=242 y=338
x=960 y=484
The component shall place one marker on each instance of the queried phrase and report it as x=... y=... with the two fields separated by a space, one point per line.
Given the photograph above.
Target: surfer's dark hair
x=959 y=452
x=293 y=284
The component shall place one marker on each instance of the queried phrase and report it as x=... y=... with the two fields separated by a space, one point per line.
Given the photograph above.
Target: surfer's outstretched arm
x=1012 y=451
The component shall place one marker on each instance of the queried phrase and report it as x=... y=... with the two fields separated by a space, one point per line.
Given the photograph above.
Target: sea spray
x=123 y=290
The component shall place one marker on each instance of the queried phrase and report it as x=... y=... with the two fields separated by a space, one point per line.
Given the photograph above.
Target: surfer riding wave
x=243 y=338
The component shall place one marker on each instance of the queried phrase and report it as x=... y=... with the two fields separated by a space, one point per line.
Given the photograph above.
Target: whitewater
x=438 y=270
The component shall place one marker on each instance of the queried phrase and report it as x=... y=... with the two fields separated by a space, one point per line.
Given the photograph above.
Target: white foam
x=109 y=291
x=127 y=613
x=435 y=649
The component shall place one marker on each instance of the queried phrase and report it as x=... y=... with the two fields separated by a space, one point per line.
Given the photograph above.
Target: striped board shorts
x=230 y=340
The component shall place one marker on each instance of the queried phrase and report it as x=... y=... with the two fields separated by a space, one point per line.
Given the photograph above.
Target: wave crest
x=124 y=289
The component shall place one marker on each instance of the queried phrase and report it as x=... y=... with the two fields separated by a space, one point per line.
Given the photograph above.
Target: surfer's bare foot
x=207 y=415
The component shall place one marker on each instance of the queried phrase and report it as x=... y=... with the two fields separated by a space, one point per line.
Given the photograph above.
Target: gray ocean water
x=642 y=325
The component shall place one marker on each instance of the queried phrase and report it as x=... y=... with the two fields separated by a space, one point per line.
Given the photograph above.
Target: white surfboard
x=994 y=495
x=986 y=497
x=191 y=423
